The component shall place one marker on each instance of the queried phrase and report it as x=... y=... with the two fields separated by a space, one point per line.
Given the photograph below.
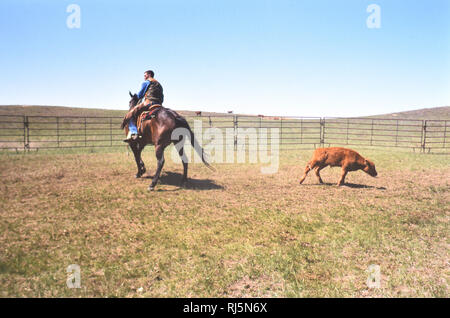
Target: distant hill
x=58 y=111
x=424 y=113
x=21 y=110
x=33 y=110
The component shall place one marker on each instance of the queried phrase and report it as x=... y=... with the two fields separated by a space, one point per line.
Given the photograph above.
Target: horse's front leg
x=137 y=150
x=159 y=149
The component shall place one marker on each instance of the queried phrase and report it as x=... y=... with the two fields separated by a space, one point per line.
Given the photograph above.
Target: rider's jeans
x=132 y=126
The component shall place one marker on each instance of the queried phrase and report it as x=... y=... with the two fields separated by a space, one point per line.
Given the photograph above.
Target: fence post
x=57 y=131
x=445 y=133
x=85 y=131
x=301 y=130
x=396 y=135
x=322 y=131
x=281 y=131
x=110 y=131
x=24 y=133
x=26 y=125
x=235 y=126
x=348 y=123
x=371 y=134
x=424 y=134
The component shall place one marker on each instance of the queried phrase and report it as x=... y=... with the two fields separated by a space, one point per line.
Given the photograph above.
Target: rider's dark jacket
x=153 y=92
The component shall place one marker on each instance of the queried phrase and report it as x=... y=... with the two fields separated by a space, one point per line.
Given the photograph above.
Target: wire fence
x=53 y=132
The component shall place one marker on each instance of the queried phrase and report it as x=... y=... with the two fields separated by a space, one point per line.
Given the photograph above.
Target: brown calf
x=348 y=159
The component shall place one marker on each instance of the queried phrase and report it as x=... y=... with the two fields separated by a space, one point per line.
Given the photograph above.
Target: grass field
x=231 y=233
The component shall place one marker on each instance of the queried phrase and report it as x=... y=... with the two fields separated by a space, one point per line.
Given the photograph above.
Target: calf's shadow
x=362 y=186
x=349 y=185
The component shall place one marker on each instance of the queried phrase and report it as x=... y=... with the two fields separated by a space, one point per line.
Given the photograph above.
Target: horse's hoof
x=150 y=188
x=140 y=174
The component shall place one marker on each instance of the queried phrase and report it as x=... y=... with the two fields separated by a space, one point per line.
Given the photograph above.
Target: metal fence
x=49 y=132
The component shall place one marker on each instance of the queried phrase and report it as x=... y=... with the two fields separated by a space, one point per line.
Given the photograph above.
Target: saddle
x=147 y=115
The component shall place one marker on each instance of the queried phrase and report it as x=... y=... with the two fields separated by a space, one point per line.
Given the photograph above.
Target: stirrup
x=131 y=137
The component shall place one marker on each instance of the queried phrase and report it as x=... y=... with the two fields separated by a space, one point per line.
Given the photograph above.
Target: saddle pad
x=147 y=115
x=151 y=113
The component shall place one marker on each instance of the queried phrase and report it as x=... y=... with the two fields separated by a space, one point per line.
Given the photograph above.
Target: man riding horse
x=158 y=126
x=152 y=93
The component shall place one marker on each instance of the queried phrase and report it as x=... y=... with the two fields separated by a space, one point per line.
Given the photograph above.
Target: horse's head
x=134 y=100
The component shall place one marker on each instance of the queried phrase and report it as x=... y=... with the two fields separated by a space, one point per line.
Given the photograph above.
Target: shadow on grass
x=362 y=186
x=350 y=185
x=174 y=179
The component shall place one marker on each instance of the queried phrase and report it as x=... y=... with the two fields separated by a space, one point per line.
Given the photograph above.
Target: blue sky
x=297 y=58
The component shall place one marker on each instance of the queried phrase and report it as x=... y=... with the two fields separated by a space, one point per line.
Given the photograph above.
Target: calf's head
x=370 y=168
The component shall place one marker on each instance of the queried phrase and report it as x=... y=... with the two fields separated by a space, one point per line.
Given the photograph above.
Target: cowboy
x=152 y=92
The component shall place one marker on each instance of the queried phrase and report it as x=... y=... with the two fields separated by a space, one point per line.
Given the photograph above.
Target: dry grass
x=231 y=233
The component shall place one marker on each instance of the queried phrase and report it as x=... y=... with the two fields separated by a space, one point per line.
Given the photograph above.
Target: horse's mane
x=137 y=102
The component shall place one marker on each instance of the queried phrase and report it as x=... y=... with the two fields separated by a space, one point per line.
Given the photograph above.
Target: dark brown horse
x=159 y=131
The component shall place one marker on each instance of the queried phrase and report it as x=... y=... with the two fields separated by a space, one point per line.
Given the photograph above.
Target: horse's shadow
x=174 y=179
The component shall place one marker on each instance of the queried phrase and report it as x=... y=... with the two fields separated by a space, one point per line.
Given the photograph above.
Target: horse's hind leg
x=179 y=145
x=159 y=149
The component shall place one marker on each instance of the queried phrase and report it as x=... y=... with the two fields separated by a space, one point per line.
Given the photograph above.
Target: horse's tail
x=200 y=151
x=194 y=143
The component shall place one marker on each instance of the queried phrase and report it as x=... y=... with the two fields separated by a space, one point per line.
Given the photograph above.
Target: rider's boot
x=131 y=137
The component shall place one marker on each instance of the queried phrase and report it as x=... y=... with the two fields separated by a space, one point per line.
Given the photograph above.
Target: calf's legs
x=342 y=179
x=318 y=173
x=312 y=165
x=318 y=166
x=304 y=175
